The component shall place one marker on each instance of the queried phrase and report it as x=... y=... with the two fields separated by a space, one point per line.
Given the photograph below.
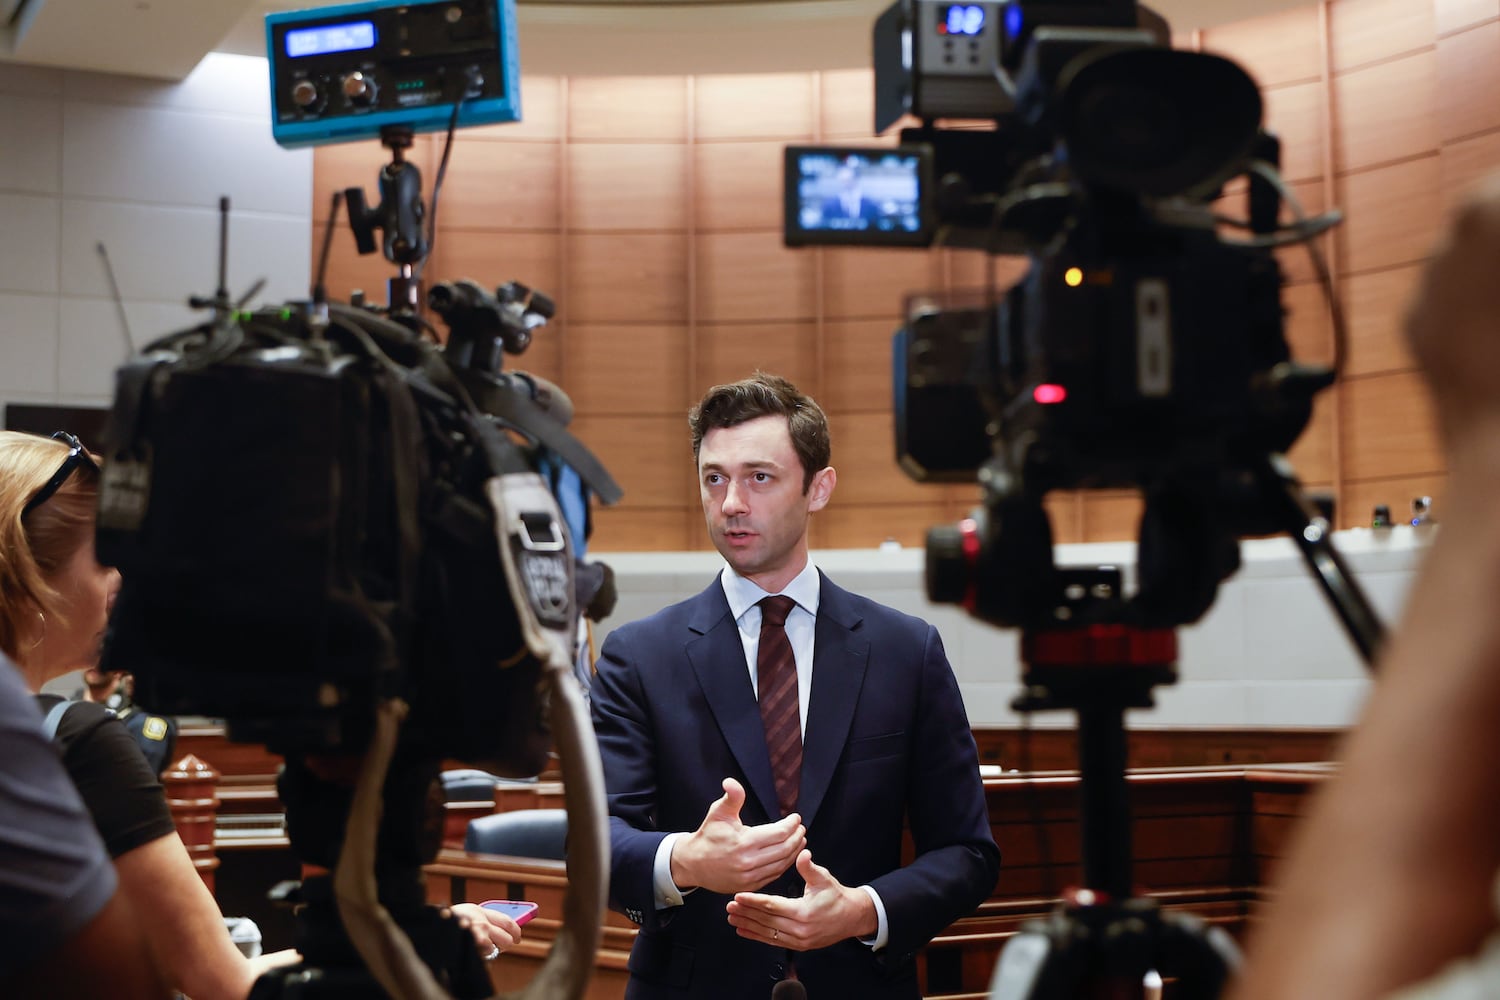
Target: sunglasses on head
x=77 y=455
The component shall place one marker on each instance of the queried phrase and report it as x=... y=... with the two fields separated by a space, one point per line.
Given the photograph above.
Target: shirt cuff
x=667 y=893
x=882 y=926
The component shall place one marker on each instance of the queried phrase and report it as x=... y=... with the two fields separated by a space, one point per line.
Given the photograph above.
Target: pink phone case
x=519 y=910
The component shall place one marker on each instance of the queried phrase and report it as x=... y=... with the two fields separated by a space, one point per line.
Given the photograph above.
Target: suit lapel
x=840 y=658
x=718 y=659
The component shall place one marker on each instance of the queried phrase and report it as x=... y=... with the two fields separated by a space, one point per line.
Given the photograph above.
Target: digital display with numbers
x=329 y=38
x=962 y=19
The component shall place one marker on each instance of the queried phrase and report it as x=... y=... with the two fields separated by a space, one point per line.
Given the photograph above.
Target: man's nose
x=734 y=499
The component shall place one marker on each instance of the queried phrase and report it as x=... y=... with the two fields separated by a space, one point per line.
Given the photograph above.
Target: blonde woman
x=54 y=601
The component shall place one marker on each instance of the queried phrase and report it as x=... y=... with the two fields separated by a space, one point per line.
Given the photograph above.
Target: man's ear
x=820 y=490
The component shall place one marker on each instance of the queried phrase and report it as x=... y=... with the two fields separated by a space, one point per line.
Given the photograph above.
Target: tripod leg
x=1042 y=960
x=1114 y=951
x=1305 y=525
x=1200 y=956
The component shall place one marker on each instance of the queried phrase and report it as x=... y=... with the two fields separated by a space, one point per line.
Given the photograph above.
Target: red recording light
x=1048 y=393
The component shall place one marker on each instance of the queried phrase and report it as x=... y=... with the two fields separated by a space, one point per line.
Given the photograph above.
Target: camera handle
x=320 y=798
x=318 y=818
x=1101 y=942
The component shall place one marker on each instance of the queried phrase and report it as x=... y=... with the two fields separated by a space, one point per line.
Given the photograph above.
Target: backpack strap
x=54 y=718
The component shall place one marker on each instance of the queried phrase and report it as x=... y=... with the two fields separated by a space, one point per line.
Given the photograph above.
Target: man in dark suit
x=762 y=760
x=848 y=205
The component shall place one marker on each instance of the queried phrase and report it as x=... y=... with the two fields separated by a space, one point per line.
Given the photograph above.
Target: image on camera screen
x=853 y=196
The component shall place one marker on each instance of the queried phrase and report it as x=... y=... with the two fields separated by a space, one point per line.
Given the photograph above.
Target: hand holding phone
x=519 y=910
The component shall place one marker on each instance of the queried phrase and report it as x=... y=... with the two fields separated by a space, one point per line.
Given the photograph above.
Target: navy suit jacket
x=834 y=208
x=887 y=747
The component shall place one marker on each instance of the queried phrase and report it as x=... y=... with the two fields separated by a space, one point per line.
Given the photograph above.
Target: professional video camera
x=1144 y=350
x=335 y=533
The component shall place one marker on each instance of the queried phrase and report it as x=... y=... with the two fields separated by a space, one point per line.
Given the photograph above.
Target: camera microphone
x=789 y=989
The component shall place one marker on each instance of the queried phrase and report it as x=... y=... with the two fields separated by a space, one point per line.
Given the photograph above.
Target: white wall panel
x=20 y=80
x=169 y=253
x=91 y=345
x=138 y=165
x=1269 y=653
x=28 y=347
x=170 y=157
x=222 y=84
x=32 y=159
x=28 y=243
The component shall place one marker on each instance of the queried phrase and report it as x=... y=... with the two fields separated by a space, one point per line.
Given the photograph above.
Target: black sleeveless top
x=127 y=801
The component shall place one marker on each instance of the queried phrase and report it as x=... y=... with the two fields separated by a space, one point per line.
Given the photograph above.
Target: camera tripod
x=1098 y=661
x=1102 y=943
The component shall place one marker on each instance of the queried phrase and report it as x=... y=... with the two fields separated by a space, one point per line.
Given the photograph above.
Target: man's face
x=750 y=481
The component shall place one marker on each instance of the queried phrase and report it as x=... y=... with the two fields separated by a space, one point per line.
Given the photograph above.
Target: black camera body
x=1145 y=347
x=1143 y=350
x=1102 y=370
x=299 y=510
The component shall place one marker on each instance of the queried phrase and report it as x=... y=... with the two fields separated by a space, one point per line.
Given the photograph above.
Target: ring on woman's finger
x=494 y=954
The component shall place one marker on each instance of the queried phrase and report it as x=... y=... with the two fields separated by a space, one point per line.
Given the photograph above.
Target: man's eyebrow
x=758 y=465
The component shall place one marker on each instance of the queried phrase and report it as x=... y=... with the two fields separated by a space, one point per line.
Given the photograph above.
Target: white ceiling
x=166 y=38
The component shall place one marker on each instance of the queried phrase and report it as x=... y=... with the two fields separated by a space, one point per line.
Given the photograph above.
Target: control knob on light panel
x=305 y=94
x=359 y=88
x=418 y=65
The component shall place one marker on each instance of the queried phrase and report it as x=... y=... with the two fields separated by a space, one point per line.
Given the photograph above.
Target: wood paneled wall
x=649 y=207
x=1386 y=110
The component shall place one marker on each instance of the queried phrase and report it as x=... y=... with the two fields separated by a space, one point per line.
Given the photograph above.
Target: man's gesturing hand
x=827 y=913
x=724 y=855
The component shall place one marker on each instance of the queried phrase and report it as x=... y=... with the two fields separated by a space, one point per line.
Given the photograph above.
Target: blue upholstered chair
x=468 y=784
x=525 y=833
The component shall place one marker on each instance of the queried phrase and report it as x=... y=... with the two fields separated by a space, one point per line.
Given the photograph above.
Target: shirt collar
x=743 y=594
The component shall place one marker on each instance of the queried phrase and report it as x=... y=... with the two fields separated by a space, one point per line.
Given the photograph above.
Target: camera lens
x=949 y=571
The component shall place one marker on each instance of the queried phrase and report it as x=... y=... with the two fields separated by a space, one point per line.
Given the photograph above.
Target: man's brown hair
x=766 y=395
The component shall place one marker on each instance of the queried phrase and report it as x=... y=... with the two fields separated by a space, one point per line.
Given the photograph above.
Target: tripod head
x=400 y=216
x=1088 y=648
x=1103 y=664
x=1101 y=941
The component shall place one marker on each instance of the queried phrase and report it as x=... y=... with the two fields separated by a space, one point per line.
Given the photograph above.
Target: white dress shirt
x=744 y=598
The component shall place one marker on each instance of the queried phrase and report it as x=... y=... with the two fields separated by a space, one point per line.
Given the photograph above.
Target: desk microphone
x=789 y=989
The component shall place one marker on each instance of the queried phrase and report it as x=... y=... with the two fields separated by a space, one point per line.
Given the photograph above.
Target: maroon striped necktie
x=776 y=683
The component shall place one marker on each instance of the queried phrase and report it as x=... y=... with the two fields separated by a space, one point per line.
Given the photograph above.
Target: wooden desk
x=1056 y=748
x=528 y=795
x=459 y=877
x=1049 y=749
x=1204 y=840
